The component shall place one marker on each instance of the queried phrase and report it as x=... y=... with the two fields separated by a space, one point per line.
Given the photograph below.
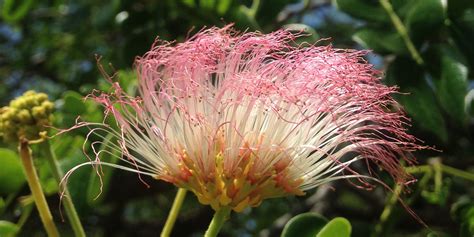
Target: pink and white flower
x=237 y=118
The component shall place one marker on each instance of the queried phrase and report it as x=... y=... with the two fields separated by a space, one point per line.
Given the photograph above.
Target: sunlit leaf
x=304 y=225
x=14 y=10
x=8 y=229
x=223 y=6
x=338 y=226
x=11 y=172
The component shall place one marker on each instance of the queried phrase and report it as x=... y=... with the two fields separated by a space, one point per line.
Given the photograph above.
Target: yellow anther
x=242 y=205
x=239 y=187
x=224 y=199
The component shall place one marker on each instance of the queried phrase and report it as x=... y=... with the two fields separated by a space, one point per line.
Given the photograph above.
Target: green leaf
x=68 y=146
x=304 y=225
x=363 y=10
x=11 y=172
x=48 y=182
x=420 y=102
x=128 y=81
x=425 y=17
x=12 y=15
x=381 y=41
x=8 y=229
x=73 y=103
x=462 y=29
x=78 y=182
x=338 y=226
x=207 y=4
x=223 y=6
x=452 y=85
x=402 y=7
x=244 y=19
x=190 y=3
x=463 y=212
x=309 y=34
x=422 y=106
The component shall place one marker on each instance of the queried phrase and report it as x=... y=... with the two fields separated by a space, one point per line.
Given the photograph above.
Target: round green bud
x=38 y=112
x=26 y=117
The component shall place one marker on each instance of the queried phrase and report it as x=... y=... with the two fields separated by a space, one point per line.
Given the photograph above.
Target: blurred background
x=52 y=47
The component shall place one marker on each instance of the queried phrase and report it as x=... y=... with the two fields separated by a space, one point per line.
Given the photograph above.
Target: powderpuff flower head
x=237 y=118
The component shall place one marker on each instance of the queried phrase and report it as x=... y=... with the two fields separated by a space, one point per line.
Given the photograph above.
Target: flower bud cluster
x=26 y=117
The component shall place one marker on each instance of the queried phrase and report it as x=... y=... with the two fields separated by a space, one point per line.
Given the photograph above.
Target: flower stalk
x=444 y=168
x=36 y=191
x=173 y=215
x=401 y=29
x=71 y=212
x=390 y=205
x=218 y=220
x=388 y=209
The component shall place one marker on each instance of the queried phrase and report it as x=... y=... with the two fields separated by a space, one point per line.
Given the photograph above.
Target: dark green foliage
x=439 y=90
x=439 y=84
x=380 y=40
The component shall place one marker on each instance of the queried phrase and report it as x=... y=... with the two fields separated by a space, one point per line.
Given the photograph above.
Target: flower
x=241 y=117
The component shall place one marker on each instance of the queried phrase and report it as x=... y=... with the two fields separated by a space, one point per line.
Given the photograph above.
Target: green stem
x=36 y=191
x=402 y=31
x=444 y=168
x=8 y=201
x=438 y=175
x=67 y=201
x=457 y=172
x=25 y=214
x=254 y=8
x=217 y=222
x=418 y=169
x=387 y=211
x=178 y=202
